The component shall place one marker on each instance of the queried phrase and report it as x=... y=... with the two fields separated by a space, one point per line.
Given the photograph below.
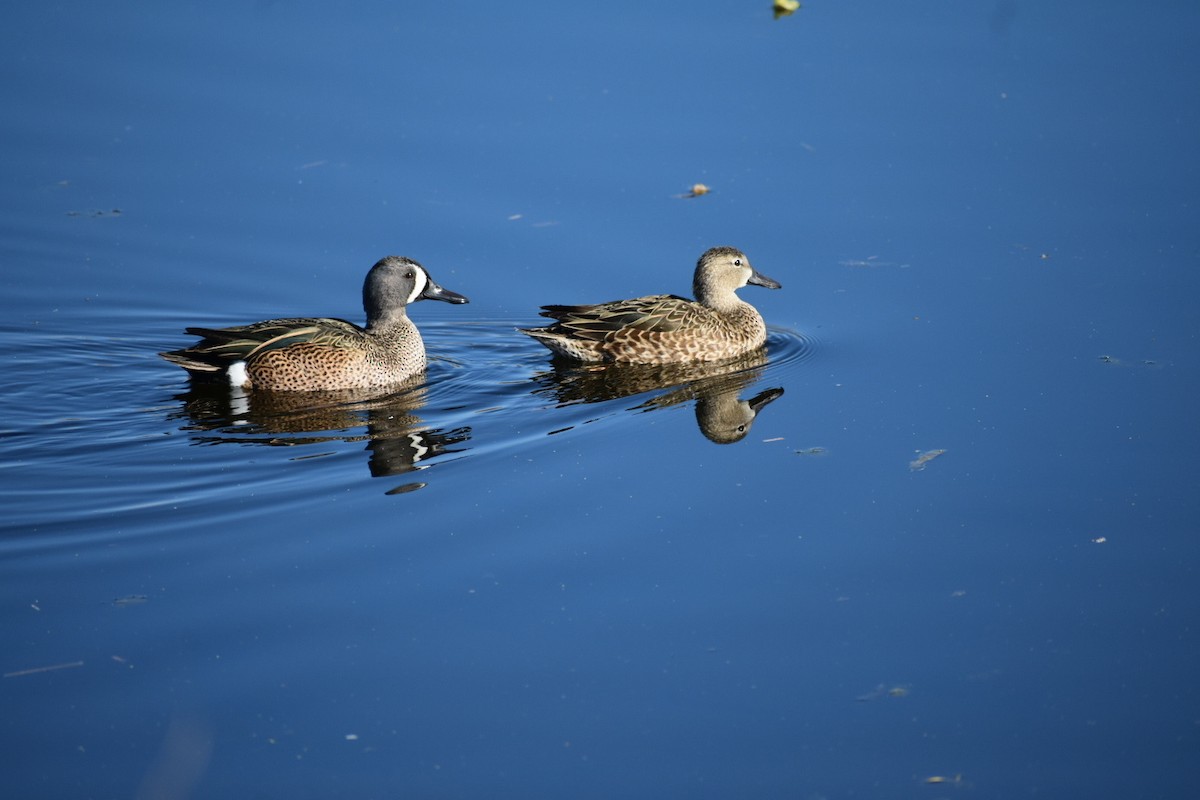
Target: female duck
x=664 y=329
x=311 y=354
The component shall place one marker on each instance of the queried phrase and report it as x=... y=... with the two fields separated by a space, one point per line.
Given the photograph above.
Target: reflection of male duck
x=723 y=417
x=387 y=421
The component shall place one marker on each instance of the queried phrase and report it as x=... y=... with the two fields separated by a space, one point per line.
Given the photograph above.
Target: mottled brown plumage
x=320 y=353
x=663 y=329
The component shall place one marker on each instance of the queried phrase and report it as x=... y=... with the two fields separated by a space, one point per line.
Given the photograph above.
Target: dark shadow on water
x=721 y=413
x=398 y=440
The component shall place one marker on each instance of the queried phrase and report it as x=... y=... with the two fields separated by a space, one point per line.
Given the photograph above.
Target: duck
x=665 y=328
x=322 y=353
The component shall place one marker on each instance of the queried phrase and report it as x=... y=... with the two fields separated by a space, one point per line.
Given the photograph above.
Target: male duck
x=310 y=354
x=664 y=329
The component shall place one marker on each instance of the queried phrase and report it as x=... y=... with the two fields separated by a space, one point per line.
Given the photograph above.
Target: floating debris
x=785 y=8
x=51 y=668
x=405 y=488
x=131 y=600
x=918 y=463
x=870 y=262
x=952 y=779
x=697 y=190
x=1117 y=362
x=812 y=451
x=883 y=690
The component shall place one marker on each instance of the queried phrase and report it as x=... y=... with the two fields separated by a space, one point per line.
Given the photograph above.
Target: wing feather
x=662 y=313
x=219 y=347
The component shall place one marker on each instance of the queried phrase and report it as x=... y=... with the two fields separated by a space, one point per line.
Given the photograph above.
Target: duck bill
x=435 y=292
x=761 y=399
x=758 y=279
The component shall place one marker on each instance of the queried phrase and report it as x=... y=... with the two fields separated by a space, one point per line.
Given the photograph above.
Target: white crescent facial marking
x=420 y=281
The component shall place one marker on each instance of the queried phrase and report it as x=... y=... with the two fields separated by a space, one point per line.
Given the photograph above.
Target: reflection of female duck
x=722 y=416
x=725 y=418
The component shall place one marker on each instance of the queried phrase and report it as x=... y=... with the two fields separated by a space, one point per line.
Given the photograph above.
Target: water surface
x=520 y=578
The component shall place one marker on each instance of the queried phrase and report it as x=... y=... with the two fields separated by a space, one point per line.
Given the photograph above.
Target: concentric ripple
x=119 y=411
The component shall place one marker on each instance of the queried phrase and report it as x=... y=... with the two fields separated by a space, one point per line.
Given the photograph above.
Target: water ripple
x=516 y=379
x=95 y=419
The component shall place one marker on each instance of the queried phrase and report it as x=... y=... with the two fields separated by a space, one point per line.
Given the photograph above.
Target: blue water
x=523 y=580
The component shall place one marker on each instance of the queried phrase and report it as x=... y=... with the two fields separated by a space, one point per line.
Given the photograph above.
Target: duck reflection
x=722 y=415
x=398 y=441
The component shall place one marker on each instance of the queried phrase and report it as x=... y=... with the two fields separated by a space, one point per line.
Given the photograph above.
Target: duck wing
x=662 y=313
x=220 y=347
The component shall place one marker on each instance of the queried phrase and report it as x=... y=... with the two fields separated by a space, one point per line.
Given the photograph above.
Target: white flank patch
x=237 y=374
x=420 y=281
